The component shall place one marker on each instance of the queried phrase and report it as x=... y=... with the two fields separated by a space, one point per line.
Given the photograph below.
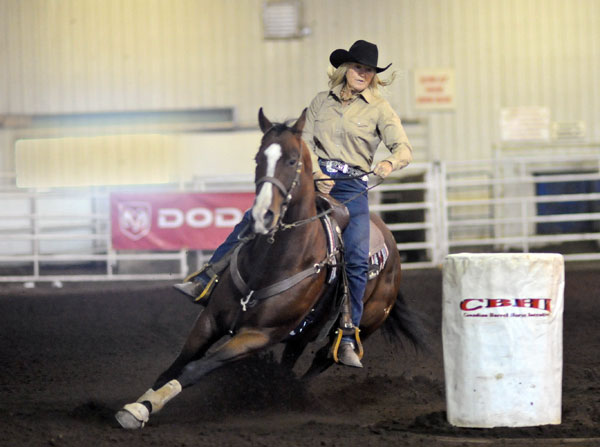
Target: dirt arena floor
x=71 y=357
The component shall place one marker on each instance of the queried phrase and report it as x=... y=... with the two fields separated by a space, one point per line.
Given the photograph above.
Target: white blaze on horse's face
x=265 y=196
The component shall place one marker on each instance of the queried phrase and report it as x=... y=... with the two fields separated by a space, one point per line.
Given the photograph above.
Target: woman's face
x=359 y=76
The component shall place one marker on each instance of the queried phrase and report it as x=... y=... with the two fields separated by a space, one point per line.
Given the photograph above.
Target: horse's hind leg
x=292 y=352
x=321 y=362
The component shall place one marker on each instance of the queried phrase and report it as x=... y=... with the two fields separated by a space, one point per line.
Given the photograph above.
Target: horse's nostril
x=268 y=218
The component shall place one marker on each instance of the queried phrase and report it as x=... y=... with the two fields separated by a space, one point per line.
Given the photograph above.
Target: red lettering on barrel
x=499 y=302
x=541 y=303
x=471 y=304
x=464 y=305
x=534 y=303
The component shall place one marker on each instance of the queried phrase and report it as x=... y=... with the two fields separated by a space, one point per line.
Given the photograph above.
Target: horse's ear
x=299 y=125
x=263 y=121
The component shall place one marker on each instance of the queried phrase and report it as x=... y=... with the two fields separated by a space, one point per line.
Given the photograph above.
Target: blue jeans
x=231 y=240
x=355 y=236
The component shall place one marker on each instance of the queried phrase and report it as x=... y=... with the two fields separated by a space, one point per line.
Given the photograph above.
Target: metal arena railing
x=64 y=235
x=525 y=204
x=520 y=204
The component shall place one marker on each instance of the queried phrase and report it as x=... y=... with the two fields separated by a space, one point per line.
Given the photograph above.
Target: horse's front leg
x=203 y=335
x=241 y=345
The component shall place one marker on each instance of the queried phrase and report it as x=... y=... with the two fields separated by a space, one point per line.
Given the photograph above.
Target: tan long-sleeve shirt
x=351 y=133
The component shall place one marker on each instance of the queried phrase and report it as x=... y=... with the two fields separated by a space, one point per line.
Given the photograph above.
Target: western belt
x=334 y=165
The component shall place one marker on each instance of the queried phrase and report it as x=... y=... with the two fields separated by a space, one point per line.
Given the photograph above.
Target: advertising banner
x=175 y=221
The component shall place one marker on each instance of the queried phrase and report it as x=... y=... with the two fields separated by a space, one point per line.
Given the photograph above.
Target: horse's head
x=283 y=172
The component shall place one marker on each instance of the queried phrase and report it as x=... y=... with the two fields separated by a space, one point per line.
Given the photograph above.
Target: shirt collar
x=366 y=94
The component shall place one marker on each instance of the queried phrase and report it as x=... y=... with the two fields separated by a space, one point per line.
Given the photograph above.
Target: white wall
x=115 y=55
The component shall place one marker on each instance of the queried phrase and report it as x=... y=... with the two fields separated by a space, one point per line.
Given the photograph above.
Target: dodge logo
x=135 y=219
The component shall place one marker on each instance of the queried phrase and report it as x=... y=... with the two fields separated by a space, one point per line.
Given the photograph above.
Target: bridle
x=286 y=192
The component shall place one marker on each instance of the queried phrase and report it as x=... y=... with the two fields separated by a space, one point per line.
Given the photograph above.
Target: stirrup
x=205 y=268
x=207 y=289
x=336 y=344
x=198 y=291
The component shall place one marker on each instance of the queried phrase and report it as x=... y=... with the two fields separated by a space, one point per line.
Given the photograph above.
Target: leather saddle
x=338 y=212
x=378 y=251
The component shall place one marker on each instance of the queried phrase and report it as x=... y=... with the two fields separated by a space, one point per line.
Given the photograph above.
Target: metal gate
x=508 y=204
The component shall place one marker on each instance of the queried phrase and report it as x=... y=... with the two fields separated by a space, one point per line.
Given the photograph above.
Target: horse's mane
x=279 y=128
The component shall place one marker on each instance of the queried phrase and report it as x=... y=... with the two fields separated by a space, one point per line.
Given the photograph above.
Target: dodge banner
x=175 y=221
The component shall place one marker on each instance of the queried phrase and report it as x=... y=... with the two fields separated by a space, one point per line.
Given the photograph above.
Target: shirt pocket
x=362 y=124
x=362 y=128
x=325 y=124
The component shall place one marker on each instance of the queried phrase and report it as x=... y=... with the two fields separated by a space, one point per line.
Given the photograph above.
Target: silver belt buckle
x=329 y=166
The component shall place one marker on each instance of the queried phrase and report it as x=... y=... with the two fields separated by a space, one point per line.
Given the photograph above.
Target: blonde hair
x=337 y=76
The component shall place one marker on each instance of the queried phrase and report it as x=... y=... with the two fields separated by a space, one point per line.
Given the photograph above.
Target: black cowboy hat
x=361 y=51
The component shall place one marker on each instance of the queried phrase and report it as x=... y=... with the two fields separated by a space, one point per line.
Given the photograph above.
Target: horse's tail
x=404 y=321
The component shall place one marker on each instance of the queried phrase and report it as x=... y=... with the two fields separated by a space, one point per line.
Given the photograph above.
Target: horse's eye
x=292 y=161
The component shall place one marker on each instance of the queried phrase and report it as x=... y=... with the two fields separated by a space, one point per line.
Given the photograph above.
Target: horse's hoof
x=133 y=416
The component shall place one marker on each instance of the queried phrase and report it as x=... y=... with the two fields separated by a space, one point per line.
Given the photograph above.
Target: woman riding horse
x=277 y=280
x=343 y=129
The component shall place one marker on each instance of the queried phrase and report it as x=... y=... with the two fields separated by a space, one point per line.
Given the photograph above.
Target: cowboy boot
x=347 y=354
x=199 y=285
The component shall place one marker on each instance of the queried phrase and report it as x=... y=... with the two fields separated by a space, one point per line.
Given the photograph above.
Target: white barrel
x=502 y=339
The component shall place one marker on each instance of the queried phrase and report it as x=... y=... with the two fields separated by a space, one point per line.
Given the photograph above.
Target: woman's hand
x=383 y=169
x=325 y=183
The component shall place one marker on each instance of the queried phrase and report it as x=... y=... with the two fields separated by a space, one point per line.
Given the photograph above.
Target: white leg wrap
x=133 y=416
x=160 y=397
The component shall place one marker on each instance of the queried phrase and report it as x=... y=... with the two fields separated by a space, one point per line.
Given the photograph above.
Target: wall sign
x=529 y=123
x=434 y=89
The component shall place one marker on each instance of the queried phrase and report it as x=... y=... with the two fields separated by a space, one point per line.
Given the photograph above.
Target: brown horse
x=276 y=280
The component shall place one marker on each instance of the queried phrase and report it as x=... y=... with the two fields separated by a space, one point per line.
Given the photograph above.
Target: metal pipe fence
x=433 y=209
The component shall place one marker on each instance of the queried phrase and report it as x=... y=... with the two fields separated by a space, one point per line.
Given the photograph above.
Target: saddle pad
x=376 y=241
x=378 y=251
